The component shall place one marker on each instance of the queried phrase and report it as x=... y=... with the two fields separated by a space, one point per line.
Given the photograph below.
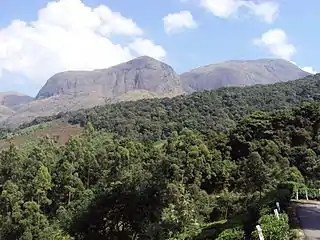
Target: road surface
x=309 y=216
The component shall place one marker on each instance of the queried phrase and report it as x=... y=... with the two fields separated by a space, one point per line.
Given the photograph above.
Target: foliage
x=273 y=228
x=231 y=234
x=165 y=170
x=209 y=110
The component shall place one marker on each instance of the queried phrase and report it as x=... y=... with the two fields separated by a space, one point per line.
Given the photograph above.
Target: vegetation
x=58 y=130
x=273 y=228
x=162 y=170
x=210 y=110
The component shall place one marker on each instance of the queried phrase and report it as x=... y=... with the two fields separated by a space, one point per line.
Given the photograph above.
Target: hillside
x=186 y=185
x=241 y=73
x=143 y=77
x=203 y=111
x=10 y=101
x=140 y=78
x=13 y=100
x=59 y=131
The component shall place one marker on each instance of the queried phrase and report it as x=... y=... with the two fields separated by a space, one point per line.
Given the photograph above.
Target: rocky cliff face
x=143 y=73
x=240 y=73
x=143 y=77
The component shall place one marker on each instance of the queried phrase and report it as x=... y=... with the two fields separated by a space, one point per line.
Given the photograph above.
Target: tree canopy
x=192 y=167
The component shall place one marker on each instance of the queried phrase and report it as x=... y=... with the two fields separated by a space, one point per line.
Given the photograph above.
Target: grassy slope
x=60 y=130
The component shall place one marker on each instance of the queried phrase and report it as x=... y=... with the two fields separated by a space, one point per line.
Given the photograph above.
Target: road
x=309 y=216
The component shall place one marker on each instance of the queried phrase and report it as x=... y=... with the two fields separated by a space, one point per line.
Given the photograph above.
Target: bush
x=231 y=234
x=274 y=229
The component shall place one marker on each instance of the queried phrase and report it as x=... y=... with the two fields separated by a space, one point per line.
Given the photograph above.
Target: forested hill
x=215 y=110
x=183 y=183
x=190 y=186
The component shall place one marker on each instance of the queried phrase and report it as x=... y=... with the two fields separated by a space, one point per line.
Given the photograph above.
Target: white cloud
x=147 y=47
x=176 y=22
x=306 y=69
x=309 y=70
x=276 y=41
x=266 y=11
x=222 y=8
x=69 y=35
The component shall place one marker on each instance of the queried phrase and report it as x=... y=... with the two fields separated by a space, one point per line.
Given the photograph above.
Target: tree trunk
x=69 y=197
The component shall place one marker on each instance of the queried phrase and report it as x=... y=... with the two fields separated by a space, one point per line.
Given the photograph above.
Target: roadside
x=305 y=215
x=297 y=232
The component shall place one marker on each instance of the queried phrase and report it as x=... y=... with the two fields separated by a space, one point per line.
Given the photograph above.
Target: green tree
x=42 y=184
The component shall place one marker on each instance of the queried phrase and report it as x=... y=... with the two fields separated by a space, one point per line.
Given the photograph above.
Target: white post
x=260 y=232
x=278 y=206
x=307 y=195
x=297 y=195
x=276 y=213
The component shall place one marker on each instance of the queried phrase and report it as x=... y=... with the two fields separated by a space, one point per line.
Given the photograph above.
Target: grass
x=61 y=131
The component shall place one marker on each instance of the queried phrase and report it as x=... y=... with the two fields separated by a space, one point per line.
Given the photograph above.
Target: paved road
x=309 y=215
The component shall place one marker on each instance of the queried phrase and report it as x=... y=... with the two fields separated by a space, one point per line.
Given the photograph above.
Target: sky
x=39 y=38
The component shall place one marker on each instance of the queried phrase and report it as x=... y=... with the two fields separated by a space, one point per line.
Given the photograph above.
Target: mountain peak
x=241 y=73
x=143 y=61
x=143 y=73
x=145 y=58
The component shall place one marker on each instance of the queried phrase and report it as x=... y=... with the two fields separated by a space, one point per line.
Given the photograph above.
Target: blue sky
x=74 y=34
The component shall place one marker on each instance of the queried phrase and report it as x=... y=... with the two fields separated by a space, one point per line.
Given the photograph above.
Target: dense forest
x=217 y=110
x=210 y=165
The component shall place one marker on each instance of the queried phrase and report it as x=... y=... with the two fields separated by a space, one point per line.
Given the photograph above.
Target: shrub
x=231 y=234
x=273 y=228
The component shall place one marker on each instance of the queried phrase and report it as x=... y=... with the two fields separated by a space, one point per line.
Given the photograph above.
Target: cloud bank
x=68 y=35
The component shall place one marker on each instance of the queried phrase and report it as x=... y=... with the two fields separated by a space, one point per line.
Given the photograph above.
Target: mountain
x=143 y=73
x=142 y=77
x=241 y=73
x=10 y=101
x=13 y=99
x=215 y=110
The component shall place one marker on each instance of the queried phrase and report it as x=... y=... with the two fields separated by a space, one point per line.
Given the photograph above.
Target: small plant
x=231 y=234
x=273 y=228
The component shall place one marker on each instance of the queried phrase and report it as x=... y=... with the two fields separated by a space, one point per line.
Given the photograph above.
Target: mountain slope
x=143 y=77
x=240 y=73
x=10 y=102
x=209 y=110
x=13 y=99
x=143 y=73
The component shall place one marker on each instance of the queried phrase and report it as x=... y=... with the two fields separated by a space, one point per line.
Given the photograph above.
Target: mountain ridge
x=124 y=77
x=139 y=78
x=241 y=73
